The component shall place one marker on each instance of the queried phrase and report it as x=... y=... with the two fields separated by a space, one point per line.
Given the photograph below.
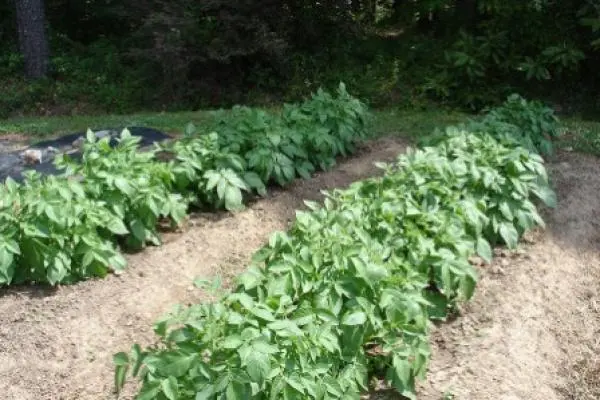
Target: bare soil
x=531 y=332
x=58 y=344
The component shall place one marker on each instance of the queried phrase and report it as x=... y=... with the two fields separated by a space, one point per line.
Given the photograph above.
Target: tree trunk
x=33 y=41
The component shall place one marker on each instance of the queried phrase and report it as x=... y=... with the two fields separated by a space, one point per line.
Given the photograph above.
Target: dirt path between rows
x=532 y=331
x=59 y=344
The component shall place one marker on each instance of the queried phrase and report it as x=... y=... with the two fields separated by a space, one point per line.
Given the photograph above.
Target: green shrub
x=214 y=176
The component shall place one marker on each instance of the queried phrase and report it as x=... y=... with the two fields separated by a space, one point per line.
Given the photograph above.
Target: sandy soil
x=531 y=332
x=58 y=344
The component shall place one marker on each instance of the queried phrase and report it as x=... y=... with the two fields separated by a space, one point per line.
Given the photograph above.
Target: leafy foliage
x=136 y=189
x=349 y=290
x=182 y=54
x=304 y=138
x=52 y=233
x=531 y=123
x=217 y=178
x=65 y=228
x=496 y=184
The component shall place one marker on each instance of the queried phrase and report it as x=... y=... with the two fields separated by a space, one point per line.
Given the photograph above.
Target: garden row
x=349 y=291
x=65 y=228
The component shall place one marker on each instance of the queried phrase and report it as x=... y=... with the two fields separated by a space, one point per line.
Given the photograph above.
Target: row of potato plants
x=349 y=291
x=69 y=227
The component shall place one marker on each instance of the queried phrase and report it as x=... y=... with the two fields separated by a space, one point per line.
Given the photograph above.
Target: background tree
x=116 y=56
x=33 y=41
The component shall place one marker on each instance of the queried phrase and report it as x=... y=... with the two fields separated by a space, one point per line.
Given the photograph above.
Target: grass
x=580 y=135
x=42 y=127
x=413 y=123
x=385 y=122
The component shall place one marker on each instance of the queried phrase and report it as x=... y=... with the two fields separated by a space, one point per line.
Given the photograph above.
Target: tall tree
x=33 y=40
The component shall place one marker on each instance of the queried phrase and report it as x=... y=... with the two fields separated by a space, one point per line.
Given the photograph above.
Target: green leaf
x=49 y=210
x=7 y=266
x=122 y=364
x=484 y=250
x=509 y=234
x=285 y=328
x=467 y=286
x=138 y=230
x=120 y=377
x=169 y=388
x=403 y=370
x=546 y=194
x=58 y=268
x=258 y=366
x=232 y=342
x=179 y=366
x=506 y=211
x=253 y=180
x=124 y=186
x=213 y=178
x=137 y=358
x=235 y=391
x=233 y=198
x=233 y=179
x=120 y=359
x=12 y=246
x=206 y=393
x=149 y=392
x=355 y=318
x=263 y=314
x=264 y=347
x=116 y=226
x=295 y=383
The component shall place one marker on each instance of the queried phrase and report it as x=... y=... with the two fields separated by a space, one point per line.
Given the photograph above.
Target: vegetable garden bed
x=349 y=291
x=529 y=332
x=69 y=227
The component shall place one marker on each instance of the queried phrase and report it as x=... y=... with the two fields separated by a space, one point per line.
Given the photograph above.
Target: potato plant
x=65 y=228
x=135 y=187
x=348 y=292
x=532 y=123
x=53 y=233
x=304 y=138
x=213 y=176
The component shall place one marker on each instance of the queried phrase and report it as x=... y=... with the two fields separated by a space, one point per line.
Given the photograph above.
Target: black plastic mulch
x=11 y=166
